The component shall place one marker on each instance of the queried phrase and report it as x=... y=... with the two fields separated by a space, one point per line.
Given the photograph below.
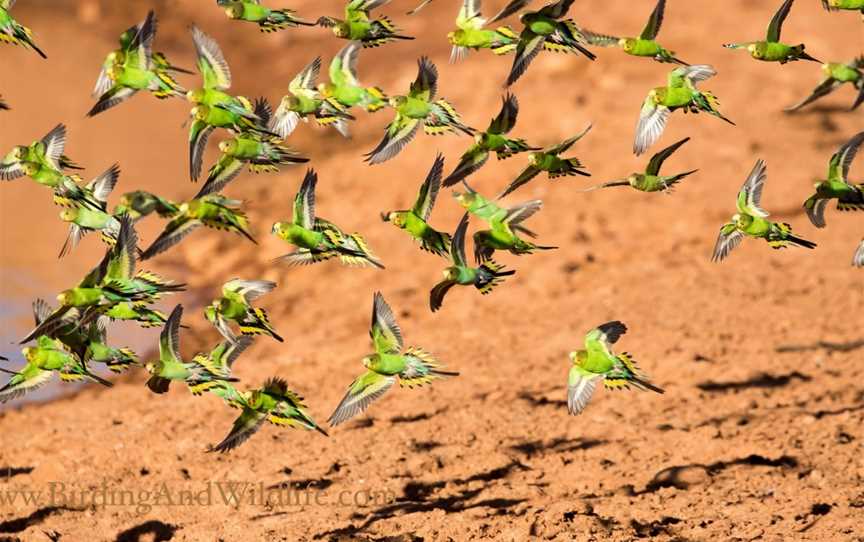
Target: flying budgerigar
x=357 y=26
x=771 y=49
x=849 y=5
x=262 y=153
x=751 y=220
x=11 y=31
x=267 y=19
x=650 y=180
x=317 y=239
x=680 y=92
x=235 y=305
x=169 y=366
x=134 y=67
x=140 y=204
x=598 y=363
x=415 y=221
x=850 y=197
x=84 y=219
x=345 y=89
x=220 y=360
x=213 y=211
x=415 y=110
x=548 y=160
x=485 y=277
x=304 y=100
x=494 y=139
x=471 y=33
x=858 y=257
x=44 y=160
x=273 y=403
x=543 y=29
x=412 y=366
x=834 y=76
x=645 y=45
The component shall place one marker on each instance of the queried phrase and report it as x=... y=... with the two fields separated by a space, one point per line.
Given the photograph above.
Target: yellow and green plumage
x=83 y=219
x=344 y=87
x=650 y=180
x=850 y=197
x=771 y=49
x=834 y=76
x=235 y=305
x=645 y=45
x=471 y=33
x=358 y=26
x=43 y=160
x=140 y=203
x=267 y=19
x=13 y=32
x=848 y=5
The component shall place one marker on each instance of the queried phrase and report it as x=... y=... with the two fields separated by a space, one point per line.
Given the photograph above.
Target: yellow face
x=28 y=352
x=341 y=30
x=29 y=168
x=235 y=11
x=64 y=297
x=756 y=51
x=534 y=158
x=68 y=215
x=228 y=147
x=367 y=361
x=396 y=101
x=200 y=112
x=627 y=44
x=396 y=218
x=277 y=228
x=451 y=273
x=150 y=367
x=578 y=357
x=19 y=152
x=195 y=96
x=465 y=199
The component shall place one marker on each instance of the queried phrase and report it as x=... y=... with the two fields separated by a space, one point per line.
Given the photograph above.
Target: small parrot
x=850 y=197
x=849 y=5
x=414 y=221
x=548 y=160
x=484 y=277
x=357 y=26
x=345 y=89
x=268 y=19
x=598 y=363
x=645 y=45
x=170 y=365
x=273 y=403
x=494 y=139
x=317 y=239
x=680 y=92
x=220 y=360
x=140 y=203
x=83 y=220
x=213 y=211
x=44 y=158
x=751 y=220
x=834 y=75
x=303 y=100
x=415 y=110
x=413 y=366
x=771 y=49
x=11 y=31
x=650 y=180
x=471 y=34
x=235 y=305
x=543 y=29
x=858 y=257
x=49 y=356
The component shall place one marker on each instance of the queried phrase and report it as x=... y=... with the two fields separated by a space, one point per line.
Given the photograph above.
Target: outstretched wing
x=425 y=86
x=506 y=119
x=841 y=161
x=776 y=24
x=385 y=332
x=750 y=195
x=169 y=339
x=249 y=290
x=176 y=230
x=398 y=134
x=429 y=190
x=652 y=122
x=654 y=22
x=304 y=82
x=457 y=244
x=304 y=202
x=365 y=389
x=657 y=160
x=823 y=89
x=603 y=336
x=565 y=145
x=54 y=143
x=580 y=388
x=246 y=425
x=729 y=238
x=211 y=61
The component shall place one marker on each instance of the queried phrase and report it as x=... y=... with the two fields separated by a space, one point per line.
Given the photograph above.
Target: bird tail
x=802 y=55
x=489 y=275
x=169 y=86
x=259 y=324
x=853 y=201
x=437 y=243
x=781 y=236
x=380 y=99
x=675 y=179
x=572 y=166
x=445 y=120
x=421 y=368
x=353 y=249
x=569 y=39
x=281 y=18
x=123 y=359
x=709 y=103
x=629 y=376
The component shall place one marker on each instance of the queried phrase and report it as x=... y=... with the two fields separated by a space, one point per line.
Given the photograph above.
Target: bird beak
x=385 y=217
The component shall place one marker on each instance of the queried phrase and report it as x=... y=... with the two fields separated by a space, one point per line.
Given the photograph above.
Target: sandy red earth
x=758 y=436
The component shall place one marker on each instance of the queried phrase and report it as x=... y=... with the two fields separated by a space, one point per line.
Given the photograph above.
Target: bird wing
x=429 y=189
x=54 y=142
x=556 y=10
x=509 y=9
x=398 y=134
x=580 y=388
x=249 y=290
x=438 y=292
x=655 y=21
x=176 y=230
x=688 y=75
x=246 y=425
x=565 y=145
x=169 y=339
x=457 y=243
x=366 y=388
x=199 y=133
x=343 y=67
x=657 y=160
x=102 y=185
x=425 y=86
x=600 y=339
x=304 y=201
x=841 y=161
x=506 y=119
x=223 y=172
x=472 y=160
x=211 y=61
x=750 y=195
x=527 y=174
x=519 y=213
x=858 y=257
x=815 y=208
x=304 y=82
x=384 y=330
x=227 y=352
x=530 y=45
x=120 y=260
x=652 y=122
x=10 y=169
x=112 y=97
x=729 y=238
x=776 y=24
x=600 y=40
x=824 y=88
x=26 y=380
x=469 y=17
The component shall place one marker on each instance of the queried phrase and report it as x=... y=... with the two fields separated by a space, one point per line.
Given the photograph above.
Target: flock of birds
x=71 y=337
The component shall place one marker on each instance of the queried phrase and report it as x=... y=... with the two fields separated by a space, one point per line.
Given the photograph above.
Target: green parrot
x=49 y=356
x=751 y=220
x=344 y=87
x=11 y=31
x=849 y=197
x=650 y=180
x=273 y=403
x=133 y=67
x=170 y=365
x=598 y=363
x=317 y=239
x=268 y=19
x=680 y=92
x=543 y=29
x=413 y=366
x=415 y=110
x=304 y=100
x=220 y=360
x=834 y=75
x=213 y=211
x=213 y=107
x=414 y=221
x=494 y=139
x=140 y=203
x=645 y=45
x=471 y=34
x=771 y=49
x=235 y=305
x=43 y=159
x=3 y=105
x=850 y=5
x=357 y=26
x=858 y=257
x=548 y=160
x=83 y=220
x=484 y=277
x=261 y=153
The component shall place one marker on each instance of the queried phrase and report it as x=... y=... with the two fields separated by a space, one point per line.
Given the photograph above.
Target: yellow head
x=627 y=44
x=578 y=357
x=534 y=158
x=234 y=11
x=451 y=273
x=30 y=168
x=68 y=215
x=19 y=152
x=228 y=146
x=195 y=96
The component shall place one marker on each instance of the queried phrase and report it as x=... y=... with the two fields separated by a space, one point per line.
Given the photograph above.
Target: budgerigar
x=357 y=26
x=415 y=221
x=680 y=92
x=834 y=76
x=267 y=19
x=412 y=366
x=418 y=108
x=485 y=277
x=11 y=31
x=751 y=220
x=848 y=5
x=850 y=197
x=645 y=45
x=494 y=139
x=471 y=33
x=235 y=305
x=598 y=363
x=140 y=204
x=44 y=156
x=650 y=180
x=771 y=49
x=84 y=219
x=548 y=160
x=317 y=239
x=345 y=89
